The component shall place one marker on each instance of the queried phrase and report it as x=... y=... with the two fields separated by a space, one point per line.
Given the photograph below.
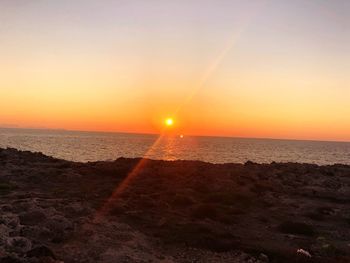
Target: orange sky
x=277 y=69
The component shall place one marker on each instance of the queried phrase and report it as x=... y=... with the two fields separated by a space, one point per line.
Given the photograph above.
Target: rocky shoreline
x=139 y=210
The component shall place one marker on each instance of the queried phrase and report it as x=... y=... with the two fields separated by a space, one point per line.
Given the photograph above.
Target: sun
x=169 y=122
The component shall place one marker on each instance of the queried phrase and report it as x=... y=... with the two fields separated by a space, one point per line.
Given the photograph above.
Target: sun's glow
x=169 y=122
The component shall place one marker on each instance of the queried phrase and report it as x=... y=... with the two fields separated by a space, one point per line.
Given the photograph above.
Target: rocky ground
x=134 y=210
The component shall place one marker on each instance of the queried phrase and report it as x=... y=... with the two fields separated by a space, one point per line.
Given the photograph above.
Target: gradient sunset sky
x=274 y=68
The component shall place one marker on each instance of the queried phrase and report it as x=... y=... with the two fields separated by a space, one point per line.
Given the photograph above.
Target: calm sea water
x=93 y=146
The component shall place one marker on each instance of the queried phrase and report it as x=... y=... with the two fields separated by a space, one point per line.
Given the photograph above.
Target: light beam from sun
x=169 y=121
x=119 y=189
x=227 y=48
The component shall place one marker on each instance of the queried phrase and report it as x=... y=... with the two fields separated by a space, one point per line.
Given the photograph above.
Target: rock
x=36 y=232
x=40 y=252
x=77 y=209
x=10 y=259
x=32 y=218
x=201 y=212
x=249 y=163
x=60 y=227
x=4 y=234
x=9 y=220
x=263 y=258
x=18 y=244
x=6 y=208
x=303 y=252
x=59 y=224
x=71 y=175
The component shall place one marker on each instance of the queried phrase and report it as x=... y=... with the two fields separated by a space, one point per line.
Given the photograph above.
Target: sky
x=259 y=68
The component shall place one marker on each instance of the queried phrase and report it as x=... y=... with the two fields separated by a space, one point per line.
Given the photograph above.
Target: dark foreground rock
x=137 y=210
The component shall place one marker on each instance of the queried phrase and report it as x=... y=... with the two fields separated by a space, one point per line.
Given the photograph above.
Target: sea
x=102 y=146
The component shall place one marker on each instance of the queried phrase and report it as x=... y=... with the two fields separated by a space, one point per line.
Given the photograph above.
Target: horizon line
x=157 y=134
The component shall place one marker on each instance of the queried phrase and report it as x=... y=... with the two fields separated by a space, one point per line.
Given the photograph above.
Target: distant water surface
x=94 y=146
